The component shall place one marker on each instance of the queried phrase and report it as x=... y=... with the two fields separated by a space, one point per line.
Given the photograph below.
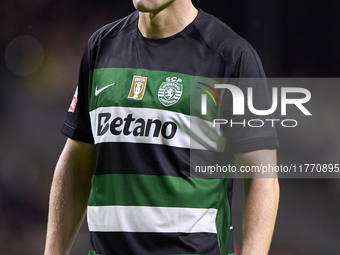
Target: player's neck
x=168 y=21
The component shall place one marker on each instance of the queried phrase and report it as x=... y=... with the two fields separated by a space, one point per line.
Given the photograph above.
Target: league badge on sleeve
x=74 y=101
x=170 y=91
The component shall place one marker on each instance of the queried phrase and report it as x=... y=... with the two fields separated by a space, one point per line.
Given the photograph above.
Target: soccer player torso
x=138 y=92
x=143 y=200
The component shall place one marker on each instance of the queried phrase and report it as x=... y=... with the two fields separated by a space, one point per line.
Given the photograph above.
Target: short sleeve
x=77 y=124
x=249 y=131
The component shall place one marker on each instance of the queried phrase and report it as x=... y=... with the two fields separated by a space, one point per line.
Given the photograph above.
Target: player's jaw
x=153 y=6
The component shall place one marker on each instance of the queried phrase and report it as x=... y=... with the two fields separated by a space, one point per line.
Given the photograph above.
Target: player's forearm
x=68 y=199
x=259 y=215
x=261 y=202
x=66 y=211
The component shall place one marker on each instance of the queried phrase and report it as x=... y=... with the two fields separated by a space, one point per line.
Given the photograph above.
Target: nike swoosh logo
x=97 y=91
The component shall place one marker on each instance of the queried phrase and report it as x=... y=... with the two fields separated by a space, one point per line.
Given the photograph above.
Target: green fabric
x=92 y=253
x=117 y=95
x=153 y=190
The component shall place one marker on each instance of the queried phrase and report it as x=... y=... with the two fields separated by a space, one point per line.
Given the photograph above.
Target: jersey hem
x=254 y=145
x=75 y=134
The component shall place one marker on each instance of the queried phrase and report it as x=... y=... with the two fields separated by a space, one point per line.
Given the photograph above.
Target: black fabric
x=77 y=124
x=142 y=243
x=153 y=159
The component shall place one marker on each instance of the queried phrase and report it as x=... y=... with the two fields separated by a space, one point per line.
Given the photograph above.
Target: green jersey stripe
x=153 y=190
x=112 y=87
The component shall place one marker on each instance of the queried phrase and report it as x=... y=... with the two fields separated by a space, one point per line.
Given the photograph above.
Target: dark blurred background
x=41 y=44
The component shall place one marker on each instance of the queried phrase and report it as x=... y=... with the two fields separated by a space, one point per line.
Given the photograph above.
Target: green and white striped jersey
x=133 y=104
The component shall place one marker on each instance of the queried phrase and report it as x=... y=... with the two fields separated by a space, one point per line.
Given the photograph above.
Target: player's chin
x=142 y=5
x=153 y=6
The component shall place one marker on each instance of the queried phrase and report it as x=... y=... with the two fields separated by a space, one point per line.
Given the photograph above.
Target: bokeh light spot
x=24 y=55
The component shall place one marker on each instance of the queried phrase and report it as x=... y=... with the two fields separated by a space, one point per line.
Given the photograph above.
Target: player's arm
x=69 y=195
x=261 y=203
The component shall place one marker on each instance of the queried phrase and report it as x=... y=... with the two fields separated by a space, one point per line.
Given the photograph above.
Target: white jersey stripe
x=151 y=219
x=191 y=132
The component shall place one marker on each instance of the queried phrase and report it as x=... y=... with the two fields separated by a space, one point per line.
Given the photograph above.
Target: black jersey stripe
x=142 y=243
x=153 y=159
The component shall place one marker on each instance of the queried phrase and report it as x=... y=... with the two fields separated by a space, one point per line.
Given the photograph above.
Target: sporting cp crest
x=169 y=93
